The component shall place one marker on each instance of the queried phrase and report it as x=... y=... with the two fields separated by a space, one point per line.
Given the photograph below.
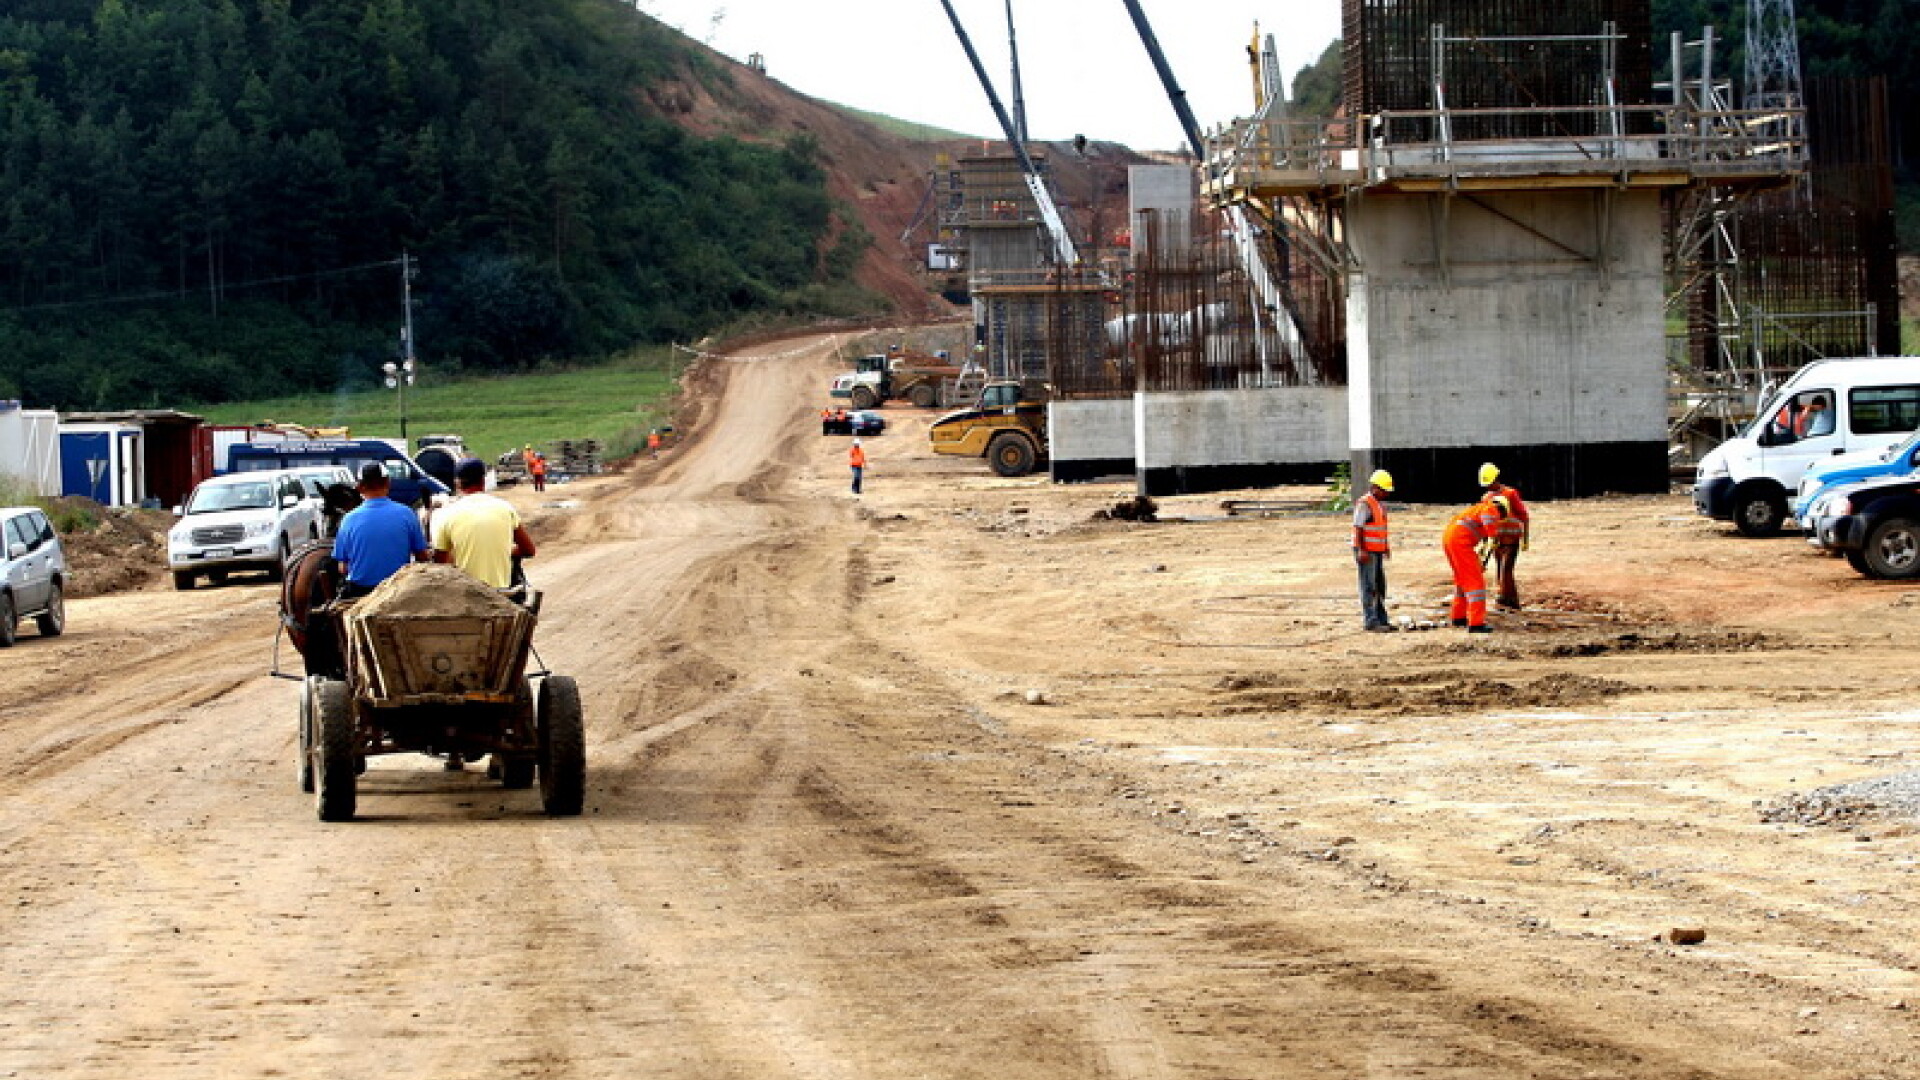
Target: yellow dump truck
x=1007 y=426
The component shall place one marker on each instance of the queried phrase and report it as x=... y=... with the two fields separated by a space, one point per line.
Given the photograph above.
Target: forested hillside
x=206 y=199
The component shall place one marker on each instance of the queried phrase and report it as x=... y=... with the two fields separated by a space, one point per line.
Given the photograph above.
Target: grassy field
x=617 y=403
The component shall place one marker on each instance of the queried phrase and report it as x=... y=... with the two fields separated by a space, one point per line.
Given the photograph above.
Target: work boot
x=1479 y=629
x=455 y=764
x=1459 y=622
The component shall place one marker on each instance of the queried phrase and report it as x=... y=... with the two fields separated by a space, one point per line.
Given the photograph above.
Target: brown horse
x=311 y=582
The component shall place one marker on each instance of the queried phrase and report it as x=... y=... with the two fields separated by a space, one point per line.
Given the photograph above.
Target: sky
x=1083 y=68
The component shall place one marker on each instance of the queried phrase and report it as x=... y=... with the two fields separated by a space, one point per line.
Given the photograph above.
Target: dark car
x=1876 y=525
x=858 y=422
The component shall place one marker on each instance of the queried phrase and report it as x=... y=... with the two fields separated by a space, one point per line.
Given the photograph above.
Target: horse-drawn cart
x=434 y=662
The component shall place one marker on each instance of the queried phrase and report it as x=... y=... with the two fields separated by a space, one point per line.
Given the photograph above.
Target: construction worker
x=1370 y=550
x=1465 y=533
x=857 y=461
x=1512 y=537
x=538 y=467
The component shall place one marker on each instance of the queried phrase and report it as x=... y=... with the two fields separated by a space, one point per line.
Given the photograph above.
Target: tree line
x=209 y=199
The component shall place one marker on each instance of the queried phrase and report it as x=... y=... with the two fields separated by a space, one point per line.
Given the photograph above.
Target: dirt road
x=951 y=780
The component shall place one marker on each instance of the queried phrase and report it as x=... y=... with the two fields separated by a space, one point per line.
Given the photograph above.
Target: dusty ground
x=829 y=835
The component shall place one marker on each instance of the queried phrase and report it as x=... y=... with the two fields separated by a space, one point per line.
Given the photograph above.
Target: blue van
x=411 y=484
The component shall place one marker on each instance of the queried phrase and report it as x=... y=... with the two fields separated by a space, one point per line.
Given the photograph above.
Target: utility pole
x=400 y=376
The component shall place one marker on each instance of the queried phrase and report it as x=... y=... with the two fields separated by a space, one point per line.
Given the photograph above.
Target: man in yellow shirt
x=478 y=532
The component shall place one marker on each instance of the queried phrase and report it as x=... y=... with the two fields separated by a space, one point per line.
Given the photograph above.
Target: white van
x=1828 y=408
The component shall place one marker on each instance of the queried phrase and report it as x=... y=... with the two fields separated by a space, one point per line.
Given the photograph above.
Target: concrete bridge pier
x=1522 y=327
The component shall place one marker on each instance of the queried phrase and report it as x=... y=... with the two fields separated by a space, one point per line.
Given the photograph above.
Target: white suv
x=33 y=573
x=242 y=521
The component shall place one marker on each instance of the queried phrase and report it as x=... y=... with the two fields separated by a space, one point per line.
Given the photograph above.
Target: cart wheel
x=563 y=747
x=307 y=691
x=333 y=756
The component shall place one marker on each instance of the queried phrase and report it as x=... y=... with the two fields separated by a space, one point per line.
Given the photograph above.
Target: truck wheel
x=7 y=618
x=1010 y=454
x=277 y=570
x=924 y=397
x=53 y=620
x=333 y=756
x=863 y=397
x=1759 y=513
x=1893 y=549
x=183 y=580
x=563 y=747
x=305 y=737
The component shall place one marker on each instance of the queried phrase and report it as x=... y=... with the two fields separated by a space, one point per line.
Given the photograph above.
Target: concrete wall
x=1090 y=439
x=1211 y=440
x=1169 y=190
x=1487 y=329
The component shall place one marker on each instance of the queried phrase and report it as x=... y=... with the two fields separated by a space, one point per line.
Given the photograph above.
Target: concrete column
x=1519 y=327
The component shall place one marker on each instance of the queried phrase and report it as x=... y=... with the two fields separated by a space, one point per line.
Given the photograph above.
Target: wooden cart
x=453 y=686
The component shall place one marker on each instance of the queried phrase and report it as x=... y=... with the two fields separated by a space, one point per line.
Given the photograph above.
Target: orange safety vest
x=1373 y=535
x=538 y=466
x=856 y=457
x=1472 y=525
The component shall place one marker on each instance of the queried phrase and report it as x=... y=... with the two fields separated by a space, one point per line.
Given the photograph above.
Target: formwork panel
x=1389 y=59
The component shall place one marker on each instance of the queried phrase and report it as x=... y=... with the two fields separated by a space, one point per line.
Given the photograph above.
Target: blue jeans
x=857 y=470
x=1373 y=590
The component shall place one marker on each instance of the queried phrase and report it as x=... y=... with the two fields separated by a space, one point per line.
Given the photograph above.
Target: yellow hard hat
x=1488 y=474
x=1381 y=479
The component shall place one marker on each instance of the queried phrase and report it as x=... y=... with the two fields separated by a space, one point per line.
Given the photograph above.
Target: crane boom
x=1188 y=125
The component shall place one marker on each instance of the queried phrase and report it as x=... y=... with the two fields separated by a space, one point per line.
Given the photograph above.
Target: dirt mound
x=433 y=589
x=127 y=550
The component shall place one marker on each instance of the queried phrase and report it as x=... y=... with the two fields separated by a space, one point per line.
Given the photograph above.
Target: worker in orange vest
x=1512 y=537
x=857 y=460
x=826 y=420
x=1465 y=533
x=538 y=468
x=1370 y=550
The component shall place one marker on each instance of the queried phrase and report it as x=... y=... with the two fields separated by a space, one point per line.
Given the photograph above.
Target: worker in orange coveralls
x=1476 y=525
x=1512 y=538
x=857 y=461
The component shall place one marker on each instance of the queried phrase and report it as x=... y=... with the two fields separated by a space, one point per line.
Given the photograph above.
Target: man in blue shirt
x=377 y=537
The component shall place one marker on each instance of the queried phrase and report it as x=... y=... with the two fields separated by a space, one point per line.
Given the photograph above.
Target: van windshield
x=215 y=498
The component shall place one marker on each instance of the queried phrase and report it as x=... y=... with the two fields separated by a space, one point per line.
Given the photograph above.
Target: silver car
x=33 y=573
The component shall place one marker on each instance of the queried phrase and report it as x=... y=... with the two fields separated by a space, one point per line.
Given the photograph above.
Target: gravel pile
x=1845 y=805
